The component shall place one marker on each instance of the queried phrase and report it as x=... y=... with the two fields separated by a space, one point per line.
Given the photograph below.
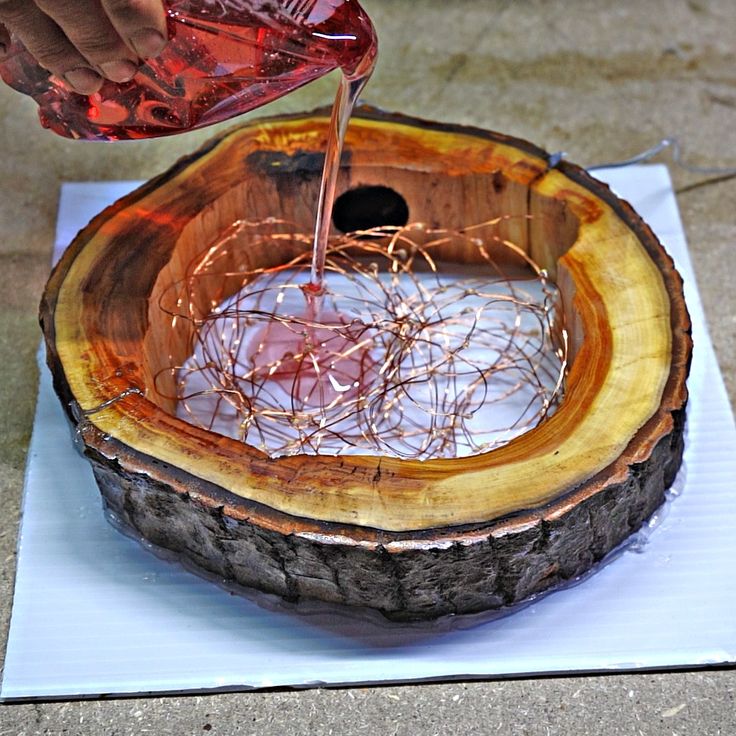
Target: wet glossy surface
x=223 y=59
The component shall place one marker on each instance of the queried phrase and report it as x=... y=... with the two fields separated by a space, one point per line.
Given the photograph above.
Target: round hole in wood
x=366 y=207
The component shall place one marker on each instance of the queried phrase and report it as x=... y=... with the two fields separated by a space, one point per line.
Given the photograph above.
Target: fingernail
x=147 y=43
x=83 y=80
x=119 y=71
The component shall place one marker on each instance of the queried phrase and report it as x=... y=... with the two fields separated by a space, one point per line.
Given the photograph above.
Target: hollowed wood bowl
x=413 y=539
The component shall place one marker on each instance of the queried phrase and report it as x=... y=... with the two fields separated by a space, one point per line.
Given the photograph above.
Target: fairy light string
x=407 y=355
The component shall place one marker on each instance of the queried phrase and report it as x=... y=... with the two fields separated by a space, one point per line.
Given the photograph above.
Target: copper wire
x=404 y=354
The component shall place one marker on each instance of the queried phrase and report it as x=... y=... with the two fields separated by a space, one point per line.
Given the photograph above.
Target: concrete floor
x=600 y=80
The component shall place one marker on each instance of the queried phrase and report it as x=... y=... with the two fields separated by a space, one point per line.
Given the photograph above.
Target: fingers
x=83 y=41
x=93 y=35
x=45 y=40
x=140 y=23
x=112 y=34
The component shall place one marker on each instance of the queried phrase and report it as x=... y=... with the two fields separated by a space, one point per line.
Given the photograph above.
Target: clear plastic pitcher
x=224 y=57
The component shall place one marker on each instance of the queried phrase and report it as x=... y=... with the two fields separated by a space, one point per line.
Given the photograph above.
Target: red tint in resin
x=318 y=363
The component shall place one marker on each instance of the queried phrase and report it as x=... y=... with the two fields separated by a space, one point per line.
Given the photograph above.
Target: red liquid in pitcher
x=224 y=58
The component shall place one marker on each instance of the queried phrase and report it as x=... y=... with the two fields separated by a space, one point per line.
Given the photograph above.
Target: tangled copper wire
x=401 y=354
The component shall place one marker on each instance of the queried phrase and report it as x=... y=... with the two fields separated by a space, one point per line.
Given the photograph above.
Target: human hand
x=84 y=41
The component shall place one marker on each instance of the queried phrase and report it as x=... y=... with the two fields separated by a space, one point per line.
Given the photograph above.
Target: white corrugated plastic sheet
x=95 y=613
